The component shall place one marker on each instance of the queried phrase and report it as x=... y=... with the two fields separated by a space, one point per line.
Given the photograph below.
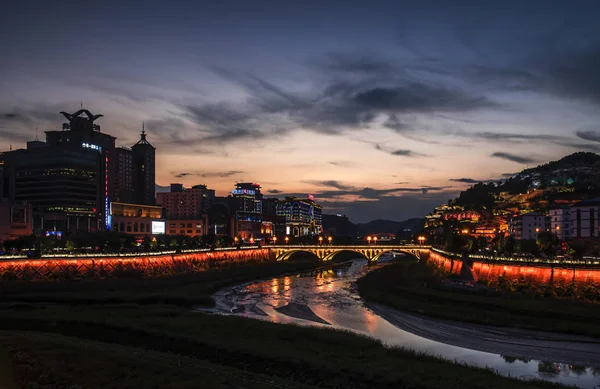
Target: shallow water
x=328 y=297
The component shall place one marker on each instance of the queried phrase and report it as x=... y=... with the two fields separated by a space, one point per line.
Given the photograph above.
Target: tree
x=548 y=243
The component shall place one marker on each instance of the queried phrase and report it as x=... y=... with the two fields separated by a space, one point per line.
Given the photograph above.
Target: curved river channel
x=328 y=297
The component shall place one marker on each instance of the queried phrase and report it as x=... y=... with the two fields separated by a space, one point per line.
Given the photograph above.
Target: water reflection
x=329 y=297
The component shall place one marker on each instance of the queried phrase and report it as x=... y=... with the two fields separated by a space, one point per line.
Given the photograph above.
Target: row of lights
x=421 y=239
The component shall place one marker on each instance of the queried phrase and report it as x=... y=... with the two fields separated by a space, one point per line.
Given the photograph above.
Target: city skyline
x=382 y=113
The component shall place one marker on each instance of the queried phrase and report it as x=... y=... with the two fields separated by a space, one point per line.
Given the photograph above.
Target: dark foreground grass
x=42 y=360
x=413 y=286
x=310 y=356
x=111 y=319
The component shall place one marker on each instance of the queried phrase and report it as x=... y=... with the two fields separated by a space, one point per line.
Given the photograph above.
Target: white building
x=584 y=219
x=528 y=226
x=560 y=222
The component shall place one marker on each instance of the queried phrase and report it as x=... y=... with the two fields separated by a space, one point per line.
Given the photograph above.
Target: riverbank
x=120 y=342
x=413 y=287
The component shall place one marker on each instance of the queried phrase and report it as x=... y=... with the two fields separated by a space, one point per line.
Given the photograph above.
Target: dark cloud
x=502 y=136
x=331 y=184
x=224 y=174
x=274 y=191
x=342 y=163
x=393 y=123
x=11 y=116
x=336 y=106
x=398 y=152
x=464 y=180
x=361 y=63
x=593 y=136
x=420 y=97
x=513 y=157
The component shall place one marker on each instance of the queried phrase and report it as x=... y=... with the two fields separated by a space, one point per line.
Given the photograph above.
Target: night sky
x=379 y=109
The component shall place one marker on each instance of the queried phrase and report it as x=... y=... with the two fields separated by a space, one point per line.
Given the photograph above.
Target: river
x=328 y=297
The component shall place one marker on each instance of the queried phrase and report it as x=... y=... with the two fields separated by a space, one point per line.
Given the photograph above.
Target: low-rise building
x=528 y=226
x=188 y=227
x=136 y=219
x=560 y=222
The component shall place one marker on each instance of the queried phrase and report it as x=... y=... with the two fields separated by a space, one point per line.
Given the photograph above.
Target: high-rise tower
x=143 y=158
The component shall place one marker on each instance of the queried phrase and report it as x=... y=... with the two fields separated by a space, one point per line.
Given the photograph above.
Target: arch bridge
x=328 y=252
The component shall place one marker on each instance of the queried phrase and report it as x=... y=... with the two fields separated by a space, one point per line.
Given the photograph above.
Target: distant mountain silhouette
x=342 y=226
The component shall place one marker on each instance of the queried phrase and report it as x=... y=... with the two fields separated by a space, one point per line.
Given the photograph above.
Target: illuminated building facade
x=144 y=177
x=248 y=210
x=302 y=216
x=182 y=203
x=137 y=219
x=68 y=179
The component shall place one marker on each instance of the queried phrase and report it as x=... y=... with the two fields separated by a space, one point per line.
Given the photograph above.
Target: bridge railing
x=559 y=260
x=124 y=255
x=333 y=246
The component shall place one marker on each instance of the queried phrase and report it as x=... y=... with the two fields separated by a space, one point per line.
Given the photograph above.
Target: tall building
x=124 y=175
x=302 y=216
x=585 y=219
x=248 y=210
x=68 y=180
x=182 y=203
x=143 y=160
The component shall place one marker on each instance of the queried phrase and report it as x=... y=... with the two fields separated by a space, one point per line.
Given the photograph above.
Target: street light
x=287 y=239
x=329 y=239
x=274 y=240
x=369 y=239
x=421 y=239
x=251 y=240
x=236 y=240
x=320 y=240
x=374 y=240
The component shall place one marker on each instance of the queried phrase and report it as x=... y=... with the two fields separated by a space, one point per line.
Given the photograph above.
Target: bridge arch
x=327 y=253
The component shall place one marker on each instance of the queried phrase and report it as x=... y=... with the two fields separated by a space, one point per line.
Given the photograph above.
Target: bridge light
x=329 y=239
x=287 y=239
x=369 y=239
x=274 y=240
x=320 y=240
x=375 y=240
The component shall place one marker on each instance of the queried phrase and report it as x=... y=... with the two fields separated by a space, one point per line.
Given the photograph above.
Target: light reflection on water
x=331 y=294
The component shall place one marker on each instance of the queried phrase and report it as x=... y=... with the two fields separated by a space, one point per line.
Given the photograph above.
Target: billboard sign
x=158 y=227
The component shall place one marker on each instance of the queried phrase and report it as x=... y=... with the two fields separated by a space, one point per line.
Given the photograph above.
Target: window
x=172 y=232
x=142 y=227
x=189 y=231
x=189 y=225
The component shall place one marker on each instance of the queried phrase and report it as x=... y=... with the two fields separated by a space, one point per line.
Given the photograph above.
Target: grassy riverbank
x=412 y=286
x=121 y=342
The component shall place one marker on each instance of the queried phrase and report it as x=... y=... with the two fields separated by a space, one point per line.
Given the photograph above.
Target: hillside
x=572 y=178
